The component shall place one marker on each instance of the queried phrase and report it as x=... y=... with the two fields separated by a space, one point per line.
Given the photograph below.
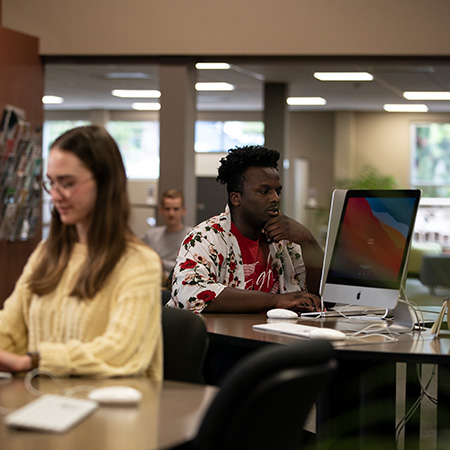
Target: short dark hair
x=239 y=159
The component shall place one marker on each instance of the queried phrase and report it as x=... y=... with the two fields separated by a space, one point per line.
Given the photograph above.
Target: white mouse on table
x=280 y=313
x=116 y=395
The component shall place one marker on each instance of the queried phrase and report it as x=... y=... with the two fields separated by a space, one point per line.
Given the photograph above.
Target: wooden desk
x=168 y=414
x=358 y=410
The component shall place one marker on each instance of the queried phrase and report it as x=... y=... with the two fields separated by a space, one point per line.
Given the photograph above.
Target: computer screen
x=368 y=244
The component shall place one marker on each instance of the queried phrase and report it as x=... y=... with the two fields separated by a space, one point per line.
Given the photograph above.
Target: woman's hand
x=10 y=362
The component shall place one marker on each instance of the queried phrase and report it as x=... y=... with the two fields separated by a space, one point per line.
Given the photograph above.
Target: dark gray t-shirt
x=165 y=244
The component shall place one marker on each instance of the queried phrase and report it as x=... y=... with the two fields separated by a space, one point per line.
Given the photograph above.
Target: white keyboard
x=53 y=413
x=305 y=331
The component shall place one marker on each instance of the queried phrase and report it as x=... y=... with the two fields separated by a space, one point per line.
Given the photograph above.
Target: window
x=431 y=159
x=54 y=128
x=139 y=145
x=219 y=136
x=138 y=141
x=50 y=131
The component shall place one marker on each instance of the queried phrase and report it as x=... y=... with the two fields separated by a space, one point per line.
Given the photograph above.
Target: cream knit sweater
x=116 y=333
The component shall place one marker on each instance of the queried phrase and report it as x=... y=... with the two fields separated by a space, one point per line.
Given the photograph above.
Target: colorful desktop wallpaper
x=372 y=240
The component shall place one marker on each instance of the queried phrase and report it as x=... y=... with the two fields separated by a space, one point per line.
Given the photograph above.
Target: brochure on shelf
x=20 y=176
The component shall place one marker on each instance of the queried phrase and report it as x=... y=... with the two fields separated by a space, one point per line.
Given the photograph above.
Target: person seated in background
x=166 y=240
x=88 y=301
x=251 y=258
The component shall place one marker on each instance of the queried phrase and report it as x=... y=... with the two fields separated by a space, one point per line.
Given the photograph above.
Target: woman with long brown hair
x=88 y=300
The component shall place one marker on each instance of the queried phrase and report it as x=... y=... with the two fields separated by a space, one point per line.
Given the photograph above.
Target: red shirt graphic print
x=258 y=271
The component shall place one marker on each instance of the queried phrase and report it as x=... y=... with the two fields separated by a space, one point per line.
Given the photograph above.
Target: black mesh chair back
x=185 y=344
x=166 y=295
x=265 y=400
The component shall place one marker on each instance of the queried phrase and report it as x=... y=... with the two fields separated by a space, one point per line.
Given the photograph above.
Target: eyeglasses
x=63 y=187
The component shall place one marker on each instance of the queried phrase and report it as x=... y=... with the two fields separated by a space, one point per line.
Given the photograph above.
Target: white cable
x=68 y=392
x=322 y=308
x=28 y=381
x=418 y=315
x=424 y=388
x=364 y=336
x=360 y=334
x=369 y=314
x=365 y=332
x=416 y=404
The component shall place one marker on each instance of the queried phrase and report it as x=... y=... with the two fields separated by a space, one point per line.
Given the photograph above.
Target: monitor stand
x=402 y=321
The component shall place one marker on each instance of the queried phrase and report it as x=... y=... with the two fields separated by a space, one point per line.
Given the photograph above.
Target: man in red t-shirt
x=268 y=280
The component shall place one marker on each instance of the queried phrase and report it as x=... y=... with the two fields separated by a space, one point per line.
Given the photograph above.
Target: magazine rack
x=22 y=85
x=20 y=176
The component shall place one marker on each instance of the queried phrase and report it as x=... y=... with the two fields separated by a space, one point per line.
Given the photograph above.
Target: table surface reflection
x=169 y=413
x=407 y=347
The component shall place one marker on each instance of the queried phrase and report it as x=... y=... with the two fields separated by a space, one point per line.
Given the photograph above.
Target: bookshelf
x=22 y=87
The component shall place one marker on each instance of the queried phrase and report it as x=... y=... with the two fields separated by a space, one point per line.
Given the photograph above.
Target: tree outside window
x=431 y=159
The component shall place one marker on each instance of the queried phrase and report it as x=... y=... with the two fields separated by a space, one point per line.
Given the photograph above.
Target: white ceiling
x=85 y=84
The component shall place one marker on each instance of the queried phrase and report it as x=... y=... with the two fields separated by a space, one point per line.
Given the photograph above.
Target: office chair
x=185 y=341
x=166 y=295
x=266 y=398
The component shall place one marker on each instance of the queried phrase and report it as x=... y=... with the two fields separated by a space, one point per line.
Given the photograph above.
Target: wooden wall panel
x=22 y=86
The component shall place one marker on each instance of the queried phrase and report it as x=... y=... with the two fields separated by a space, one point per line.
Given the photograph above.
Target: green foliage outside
x=431 y=167
x=54 y=129
x=368 y=178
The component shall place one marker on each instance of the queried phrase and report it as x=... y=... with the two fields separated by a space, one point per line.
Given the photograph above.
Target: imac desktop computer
x=367 y=247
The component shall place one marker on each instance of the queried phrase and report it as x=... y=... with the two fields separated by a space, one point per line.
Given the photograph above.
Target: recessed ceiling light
x=433 y=95
x=146 y=106
x=136 y=93
x=52 y=100
x=212 y=66
x=128 y=75
x=306 y=101
x=405 y=108
x=214 y=87
x=343 y=76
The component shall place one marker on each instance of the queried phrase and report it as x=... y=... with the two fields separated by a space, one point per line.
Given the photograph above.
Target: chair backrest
x=166 y=295
x=264 y=401
x=185 y=344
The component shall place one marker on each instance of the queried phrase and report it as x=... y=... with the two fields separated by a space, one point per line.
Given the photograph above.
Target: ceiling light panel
x=219 y=86
x=405 y=108
x=343 y=76
x=136 y=93
x=142 y=106
x=431 y=95
x=52 y=100
x=212 y=66
x=306 y=101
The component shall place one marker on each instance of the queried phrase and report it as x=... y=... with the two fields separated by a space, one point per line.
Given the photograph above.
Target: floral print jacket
x=209 y=260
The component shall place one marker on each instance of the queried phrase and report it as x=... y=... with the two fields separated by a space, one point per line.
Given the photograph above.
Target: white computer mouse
x=280 y=313
x=116 y=395
x=327 y=333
